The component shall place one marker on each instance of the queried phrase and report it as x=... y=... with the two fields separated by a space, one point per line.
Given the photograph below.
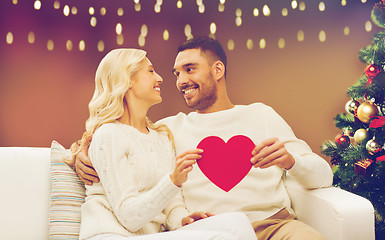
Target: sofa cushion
x=67 y=196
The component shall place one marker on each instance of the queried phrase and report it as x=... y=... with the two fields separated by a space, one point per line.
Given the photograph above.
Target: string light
x=256 y=12
x=201 y=8
x=103 y=11
x=285 y=12
x=238 y=19
x=322 y=36
x=69 y=45
x=137 y=7
x=119 y=39
x=66 y=10
x=300 y=36
x=249 y=44
x=266 y=10
x=37 y=5
x=363 y=1
x=262 y=43
x=74 y=10
x=368 y=26
x=221 y=7
x=321 y=6
x=9 y=38
x=179 y=4
x=157 y=8
x=281 y=43
x=82 y=45
x=91 y=11
x=31 y=37
x=166 y=35
x=118 y=28
x=187 y=31
x=50 y=45
x=100 y=46
x=141 y=40
x=93 y=21
x=346 y=31
x=294 y=4
x=230 y=45
x=343 y=3
x=213 y=28
x=120 y=12
x=302 y=6
x=14 y=2
x=56 y=5
x=144 y=30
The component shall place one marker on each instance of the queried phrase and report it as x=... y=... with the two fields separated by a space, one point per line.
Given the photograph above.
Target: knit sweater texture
x=135 y=195
x=262 y=192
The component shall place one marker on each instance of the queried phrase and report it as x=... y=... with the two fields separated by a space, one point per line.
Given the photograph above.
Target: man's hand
x=272 y=152
x=83 y=165
x=84 y=169
x=195 y=216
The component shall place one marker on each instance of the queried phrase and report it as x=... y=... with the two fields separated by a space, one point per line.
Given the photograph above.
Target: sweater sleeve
x=310 y=170
x=175 y=211
x=132 y=208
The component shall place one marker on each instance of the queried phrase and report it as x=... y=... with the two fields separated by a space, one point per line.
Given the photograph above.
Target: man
x=200 y=69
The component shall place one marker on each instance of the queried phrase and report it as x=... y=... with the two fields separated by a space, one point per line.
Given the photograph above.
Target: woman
x=138 y=195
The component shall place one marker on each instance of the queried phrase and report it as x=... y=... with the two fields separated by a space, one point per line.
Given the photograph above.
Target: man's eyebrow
x=185 y=66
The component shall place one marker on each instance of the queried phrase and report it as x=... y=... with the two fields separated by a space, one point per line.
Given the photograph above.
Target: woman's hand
x=195 y=216
x=183 y=166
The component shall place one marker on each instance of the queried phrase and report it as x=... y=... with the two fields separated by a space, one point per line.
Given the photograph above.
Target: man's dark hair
x=206 y=44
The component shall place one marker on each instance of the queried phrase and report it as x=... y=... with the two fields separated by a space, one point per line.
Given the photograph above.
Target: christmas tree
x=358 y=153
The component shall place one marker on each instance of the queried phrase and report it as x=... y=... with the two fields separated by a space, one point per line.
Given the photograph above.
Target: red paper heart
x=226 y=164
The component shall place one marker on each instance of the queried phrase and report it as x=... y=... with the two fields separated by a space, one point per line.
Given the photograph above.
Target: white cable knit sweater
x=262 y=192
x=135 y=195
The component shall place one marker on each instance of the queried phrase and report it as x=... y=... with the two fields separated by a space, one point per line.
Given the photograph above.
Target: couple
x=140 y=191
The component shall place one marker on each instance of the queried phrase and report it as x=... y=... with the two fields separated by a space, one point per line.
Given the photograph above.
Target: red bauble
x=372 y=70
x=342 y=141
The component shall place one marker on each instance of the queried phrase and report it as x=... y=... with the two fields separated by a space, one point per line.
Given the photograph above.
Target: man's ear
x=218 y=70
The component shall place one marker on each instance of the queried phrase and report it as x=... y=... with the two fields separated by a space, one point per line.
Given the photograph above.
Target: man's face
x=195 y=79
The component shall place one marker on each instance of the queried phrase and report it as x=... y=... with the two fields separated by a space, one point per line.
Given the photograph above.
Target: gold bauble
x=360 y=135
x=365 y=111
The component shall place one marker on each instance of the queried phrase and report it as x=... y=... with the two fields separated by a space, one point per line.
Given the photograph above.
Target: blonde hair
x=112 y=81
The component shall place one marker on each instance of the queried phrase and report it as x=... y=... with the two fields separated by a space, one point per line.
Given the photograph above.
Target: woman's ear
x=218 y=70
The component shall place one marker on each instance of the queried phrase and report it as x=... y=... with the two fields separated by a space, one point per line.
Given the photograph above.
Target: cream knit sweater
x=262 y=192
x=135 y=195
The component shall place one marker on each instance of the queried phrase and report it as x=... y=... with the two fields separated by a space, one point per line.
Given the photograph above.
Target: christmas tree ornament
x=351 y=106
x=366 y=111
x=364 y=167
x=372 y=70
x=378 y=14
x=373 y=147
x=360 y=135
x=335 y=160
x=377 y=122
x=342 y=141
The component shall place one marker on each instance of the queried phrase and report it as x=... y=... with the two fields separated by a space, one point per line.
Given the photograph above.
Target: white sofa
x=25 y=193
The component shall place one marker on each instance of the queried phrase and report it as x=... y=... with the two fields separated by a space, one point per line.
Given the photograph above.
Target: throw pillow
x=67 y=196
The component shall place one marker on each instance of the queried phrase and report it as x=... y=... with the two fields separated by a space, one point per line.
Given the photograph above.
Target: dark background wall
x=45 y=87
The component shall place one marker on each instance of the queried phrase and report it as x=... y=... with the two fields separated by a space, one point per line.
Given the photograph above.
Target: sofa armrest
x=335 y=213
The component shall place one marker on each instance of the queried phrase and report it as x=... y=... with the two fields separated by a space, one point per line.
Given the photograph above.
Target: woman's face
x=145 y=84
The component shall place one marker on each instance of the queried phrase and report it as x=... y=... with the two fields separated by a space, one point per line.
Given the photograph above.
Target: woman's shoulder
x=107 y=130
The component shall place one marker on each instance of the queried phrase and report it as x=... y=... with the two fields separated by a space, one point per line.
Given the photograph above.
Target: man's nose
x=181 y=80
